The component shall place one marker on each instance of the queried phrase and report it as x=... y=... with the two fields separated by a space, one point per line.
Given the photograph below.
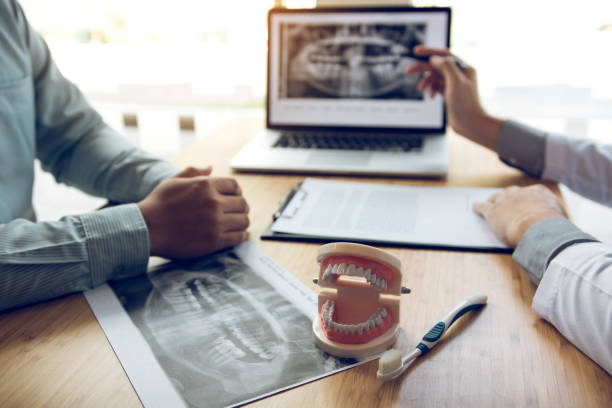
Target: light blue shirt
x=44 y=116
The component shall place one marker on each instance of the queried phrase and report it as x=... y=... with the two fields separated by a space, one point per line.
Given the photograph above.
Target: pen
x=462 y=65
x=285 y=202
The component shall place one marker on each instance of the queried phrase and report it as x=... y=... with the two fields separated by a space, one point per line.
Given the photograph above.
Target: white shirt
x=572 y=270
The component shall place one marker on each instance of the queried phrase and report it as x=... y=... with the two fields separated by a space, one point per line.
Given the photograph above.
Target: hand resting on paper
x=193 y=214
x=511 y=212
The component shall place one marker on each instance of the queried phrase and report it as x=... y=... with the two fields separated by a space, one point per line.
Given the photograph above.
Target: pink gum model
x=359 y=301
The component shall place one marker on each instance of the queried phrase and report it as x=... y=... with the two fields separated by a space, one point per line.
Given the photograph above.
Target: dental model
x=358 y=311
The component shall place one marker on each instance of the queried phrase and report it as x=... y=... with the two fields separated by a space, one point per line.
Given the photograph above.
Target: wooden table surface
x=55 y=353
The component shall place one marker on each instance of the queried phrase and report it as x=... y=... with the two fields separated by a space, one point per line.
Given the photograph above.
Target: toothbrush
x=392 y=364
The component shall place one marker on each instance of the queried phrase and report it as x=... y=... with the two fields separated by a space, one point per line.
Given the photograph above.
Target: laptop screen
x=345 y=68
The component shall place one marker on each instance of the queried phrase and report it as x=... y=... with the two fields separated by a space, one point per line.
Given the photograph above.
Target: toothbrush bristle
x=390 y=361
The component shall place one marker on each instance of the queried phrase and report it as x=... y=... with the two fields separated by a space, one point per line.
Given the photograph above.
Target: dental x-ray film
x=221 y=331
x=346 y=67
x=359 y=61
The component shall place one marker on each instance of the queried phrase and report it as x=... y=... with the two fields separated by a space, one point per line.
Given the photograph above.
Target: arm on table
x=47 y=259
x=42 y=260
x=572 y=271
x=575 y=290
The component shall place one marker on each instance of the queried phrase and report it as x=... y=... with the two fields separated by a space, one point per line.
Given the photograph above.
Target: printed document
x=384 y=213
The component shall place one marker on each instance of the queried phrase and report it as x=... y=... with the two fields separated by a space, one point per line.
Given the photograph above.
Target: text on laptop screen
x=346 y=69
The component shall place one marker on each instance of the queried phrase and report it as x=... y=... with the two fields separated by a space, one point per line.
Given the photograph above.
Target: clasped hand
x=193 y=214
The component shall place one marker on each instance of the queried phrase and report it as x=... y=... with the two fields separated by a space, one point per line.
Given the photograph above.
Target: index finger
x=227 y=186
x=482 y=209
x=424 y=51
x=418 y=67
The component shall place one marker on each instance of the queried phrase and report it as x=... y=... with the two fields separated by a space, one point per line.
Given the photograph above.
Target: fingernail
x=435 y=59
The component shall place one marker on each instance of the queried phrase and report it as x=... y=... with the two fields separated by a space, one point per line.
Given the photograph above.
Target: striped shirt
x=44 y=116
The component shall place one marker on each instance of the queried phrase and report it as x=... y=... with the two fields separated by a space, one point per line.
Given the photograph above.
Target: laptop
x=338 y=100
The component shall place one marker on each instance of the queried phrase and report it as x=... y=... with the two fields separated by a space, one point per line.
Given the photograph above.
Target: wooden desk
x=55 y=353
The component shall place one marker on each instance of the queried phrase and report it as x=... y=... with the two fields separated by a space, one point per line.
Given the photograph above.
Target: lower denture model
x=359 y=300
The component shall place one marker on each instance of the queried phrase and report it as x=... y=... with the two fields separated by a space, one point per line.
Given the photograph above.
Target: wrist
x=522 y=225
x=148 y=218
x=487 y=129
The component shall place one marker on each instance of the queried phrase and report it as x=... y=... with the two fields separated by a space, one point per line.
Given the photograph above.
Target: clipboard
x=291 y=205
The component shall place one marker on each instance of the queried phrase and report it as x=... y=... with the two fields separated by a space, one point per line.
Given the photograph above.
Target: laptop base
x=431 y=160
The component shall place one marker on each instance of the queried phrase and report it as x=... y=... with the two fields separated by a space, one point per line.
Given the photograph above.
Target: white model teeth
x=333 y=271
x=373 y=321
x=351 y=270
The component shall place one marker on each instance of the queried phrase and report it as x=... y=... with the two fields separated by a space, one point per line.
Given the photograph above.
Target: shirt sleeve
x=573 y=271
x=575 y=295
x=543 y=241
x=75 y=144
x=522 y=147
x=42 y=260
x=582 y=165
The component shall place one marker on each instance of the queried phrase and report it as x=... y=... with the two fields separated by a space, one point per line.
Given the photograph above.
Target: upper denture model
x=358 y=308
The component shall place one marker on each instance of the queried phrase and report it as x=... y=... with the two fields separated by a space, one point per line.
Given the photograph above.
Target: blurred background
x=167 y=73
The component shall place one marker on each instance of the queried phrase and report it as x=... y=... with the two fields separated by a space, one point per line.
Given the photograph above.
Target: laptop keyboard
x=377 y=142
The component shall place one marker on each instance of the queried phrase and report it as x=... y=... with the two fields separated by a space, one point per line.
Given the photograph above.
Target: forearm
x=583 y=165
x=575 y=295
x=42 y=260
x=574 y=274
x=115 y=169
x=543 y=241
x=80 y=150
x=522 y=147
x=486 y=131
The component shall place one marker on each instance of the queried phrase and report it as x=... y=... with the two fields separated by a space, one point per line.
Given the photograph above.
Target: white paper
x=220 y=331
x=147 y=377
x=435 y=216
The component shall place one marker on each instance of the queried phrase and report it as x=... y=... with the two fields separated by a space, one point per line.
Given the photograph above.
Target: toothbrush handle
x=434 y=335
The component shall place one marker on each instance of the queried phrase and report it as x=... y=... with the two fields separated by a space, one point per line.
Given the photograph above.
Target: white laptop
x=338 y=100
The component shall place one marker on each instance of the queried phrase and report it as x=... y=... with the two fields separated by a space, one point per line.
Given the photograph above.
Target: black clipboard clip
x=288 y=200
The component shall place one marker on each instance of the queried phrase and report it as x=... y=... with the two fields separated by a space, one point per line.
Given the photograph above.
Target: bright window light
x=300 y=3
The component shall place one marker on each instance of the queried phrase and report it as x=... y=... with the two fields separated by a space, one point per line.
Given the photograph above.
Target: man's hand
x=192 y=214
x=511 y=212
x=459 y=88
